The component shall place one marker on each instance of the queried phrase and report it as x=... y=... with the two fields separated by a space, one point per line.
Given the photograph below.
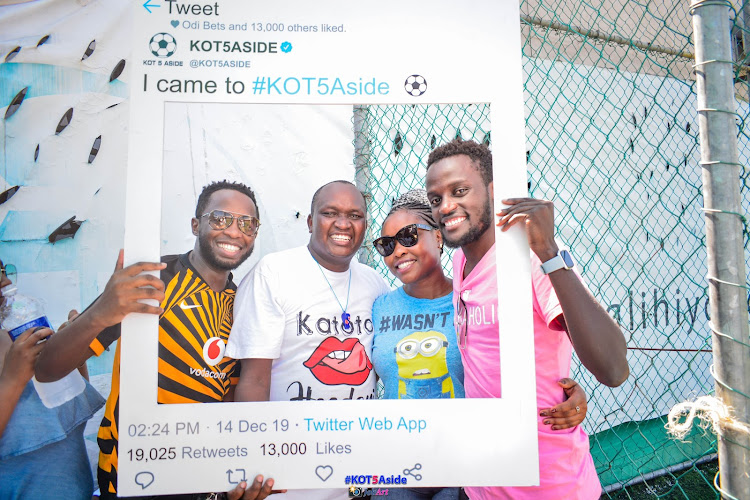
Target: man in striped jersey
x=196 y=296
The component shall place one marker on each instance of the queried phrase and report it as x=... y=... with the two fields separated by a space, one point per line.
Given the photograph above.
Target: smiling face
x=337 y=225
x=224 y=249
x=461 y=202
x=418 y=262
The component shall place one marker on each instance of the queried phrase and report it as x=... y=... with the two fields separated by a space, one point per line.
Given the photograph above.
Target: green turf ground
x=636 y=449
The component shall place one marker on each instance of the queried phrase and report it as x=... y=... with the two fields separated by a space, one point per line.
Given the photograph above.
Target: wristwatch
x=563 y=260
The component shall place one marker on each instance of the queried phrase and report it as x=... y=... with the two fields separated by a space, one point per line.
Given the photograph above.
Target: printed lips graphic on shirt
x=337 y=362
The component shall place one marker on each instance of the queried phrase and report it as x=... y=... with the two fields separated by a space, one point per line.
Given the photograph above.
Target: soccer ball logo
x=162 y=45
x=415 y=85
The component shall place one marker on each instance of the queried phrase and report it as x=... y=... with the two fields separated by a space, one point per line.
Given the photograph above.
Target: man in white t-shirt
x=302 y=318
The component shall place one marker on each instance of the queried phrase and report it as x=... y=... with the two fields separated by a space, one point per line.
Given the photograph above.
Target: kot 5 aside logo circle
x=162 y=45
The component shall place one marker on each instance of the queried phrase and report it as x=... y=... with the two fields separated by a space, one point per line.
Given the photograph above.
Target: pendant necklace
x=345 y=317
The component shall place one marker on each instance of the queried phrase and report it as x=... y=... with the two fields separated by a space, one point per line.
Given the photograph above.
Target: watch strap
x=556 y=262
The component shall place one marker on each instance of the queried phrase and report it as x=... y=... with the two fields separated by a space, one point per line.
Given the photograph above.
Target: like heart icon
x=323 y=472
x=175 y=23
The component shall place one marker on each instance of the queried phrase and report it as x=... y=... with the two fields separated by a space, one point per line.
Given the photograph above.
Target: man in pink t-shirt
x=459 y=187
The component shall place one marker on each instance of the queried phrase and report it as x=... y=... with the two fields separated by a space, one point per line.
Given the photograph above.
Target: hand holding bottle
x=19 y=360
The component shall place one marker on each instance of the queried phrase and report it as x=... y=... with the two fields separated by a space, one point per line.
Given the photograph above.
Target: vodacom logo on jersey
x=213 y=350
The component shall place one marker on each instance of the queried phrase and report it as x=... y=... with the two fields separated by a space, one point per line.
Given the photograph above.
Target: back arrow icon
x=148 y=6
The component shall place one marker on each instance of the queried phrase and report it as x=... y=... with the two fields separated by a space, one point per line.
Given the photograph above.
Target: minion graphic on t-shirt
x=423 y=366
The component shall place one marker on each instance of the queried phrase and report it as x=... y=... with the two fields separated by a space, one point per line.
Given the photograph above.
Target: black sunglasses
x=219 y=220
x=406 y=236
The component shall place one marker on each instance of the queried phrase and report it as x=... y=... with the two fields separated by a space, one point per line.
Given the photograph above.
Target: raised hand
x=70 y=347
x=538 y=217
x=124 y=291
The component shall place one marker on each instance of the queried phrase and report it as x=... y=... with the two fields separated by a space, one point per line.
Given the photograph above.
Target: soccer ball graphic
x=415 y=85
x=162 y=45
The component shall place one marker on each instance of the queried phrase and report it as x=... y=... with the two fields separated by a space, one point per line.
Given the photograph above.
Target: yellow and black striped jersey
x=193 y=331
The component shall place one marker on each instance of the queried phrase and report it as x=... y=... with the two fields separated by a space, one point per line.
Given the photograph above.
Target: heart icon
x=324 y=472
x=175 y=23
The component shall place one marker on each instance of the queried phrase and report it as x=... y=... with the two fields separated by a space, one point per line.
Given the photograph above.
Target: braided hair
x=415 y=201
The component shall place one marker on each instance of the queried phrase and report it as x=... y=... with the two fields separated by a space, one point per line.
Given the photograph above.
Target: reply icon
x=144 y=479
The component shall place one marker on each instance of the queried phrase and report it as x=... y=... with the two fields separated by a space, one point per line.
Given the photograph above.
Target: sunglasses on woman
x=219 y=219
x=407 y=236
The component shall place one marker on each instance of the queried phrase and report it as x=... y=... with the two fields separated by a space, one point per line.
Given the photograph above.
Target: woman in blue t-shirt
x=414 y=350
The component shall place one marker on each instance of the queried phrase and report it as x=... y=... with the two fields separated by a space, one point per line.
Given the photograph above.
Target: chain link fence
x=612 y=138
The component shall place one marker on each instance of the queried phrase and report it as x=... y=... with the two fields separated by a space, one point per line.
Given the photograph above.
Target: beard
x=221 y=264
x=475 y=230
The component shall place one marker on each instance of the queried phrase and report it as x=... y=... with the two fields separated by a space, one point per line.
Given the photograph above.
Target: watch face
x=567 y=258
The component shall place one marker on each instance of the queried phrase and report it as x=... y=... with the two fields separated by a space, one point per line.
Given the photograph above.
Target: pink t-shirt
x=566 y=469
